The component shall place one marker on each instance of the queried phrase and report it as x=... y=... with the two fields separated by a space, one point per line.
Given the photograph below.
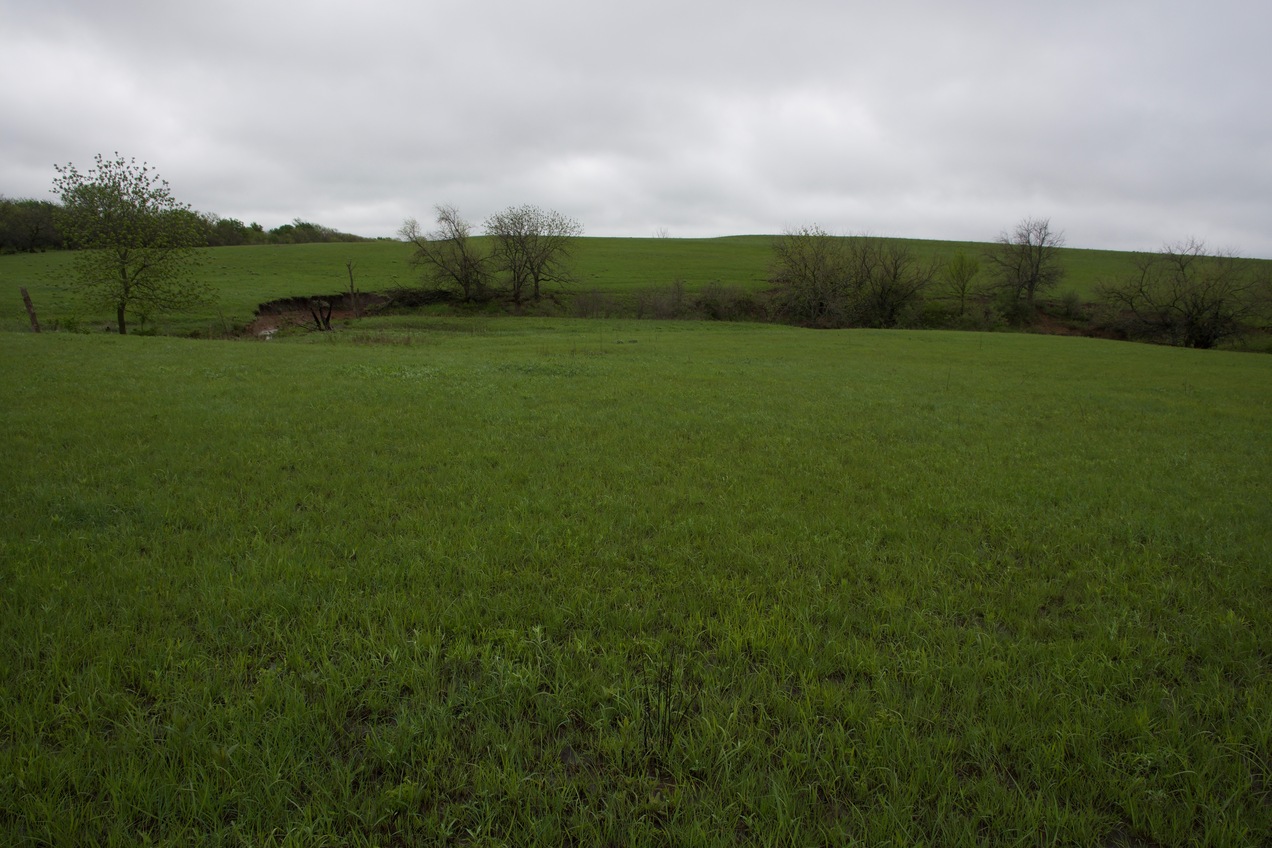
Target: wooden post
x=353 y=292
x=26 y=298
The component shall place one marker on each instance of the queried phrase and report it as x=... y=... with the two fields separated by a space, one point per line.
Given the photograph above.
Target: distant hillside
x=247 y=275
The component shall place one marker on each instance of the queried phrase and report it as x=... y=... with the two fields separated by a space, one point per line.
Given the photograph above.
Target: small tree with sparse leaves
x=136 y=246
x=448 y=255
x=959 y=278
x=810 y=273
x=532 y=249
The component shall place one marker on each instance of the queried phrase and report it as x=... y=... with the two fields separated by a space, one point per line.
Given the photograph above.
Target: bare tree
x=1183 y=296
x=832 y=281
x=1027 y=260
x=889 y=282
x=354 y=295
x=448 y=256
x=532 y=248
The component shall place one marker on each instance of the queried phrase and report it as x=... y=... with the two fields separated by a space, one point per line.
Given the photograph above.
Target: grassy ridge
x=247 y=276
x=536 y=582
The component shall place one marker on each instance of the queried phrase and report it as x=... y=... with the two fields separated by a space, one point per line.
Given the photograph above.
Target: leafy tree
x=810 y=271
x=136 y=244
x=225 y=232
x=27 y=225
x=307 y=232
x=201 y=223
x=959 y=277
x=1183 y=296
x=283 y=234
x=448 y=256
x=532 y=248
x=1026 y=261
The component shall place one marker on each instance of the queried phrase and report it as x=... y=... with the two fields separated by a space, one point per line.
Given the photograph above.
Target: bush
x=1185 y=296
x=1015 y=312
x=1071 y=305
x=411 y=298
x=720 y=302
x=981 y=314
x=595 y=304
x=669 y=302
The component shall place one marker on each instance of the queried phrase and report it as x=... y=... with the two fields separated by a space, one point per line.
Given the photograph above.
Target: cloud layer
x=1127 y=122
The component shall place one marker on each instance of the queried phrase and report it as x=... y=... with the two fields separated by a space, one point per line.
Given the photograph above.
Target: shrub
x=1183 y=296
x=1071 y=305
x=720 y=302
x=595 y=304
x=669 y=302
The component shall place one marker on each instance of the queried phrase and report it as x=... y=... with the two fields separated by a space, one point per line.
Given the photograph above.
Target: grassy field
x=245 y=277
x=497 y=581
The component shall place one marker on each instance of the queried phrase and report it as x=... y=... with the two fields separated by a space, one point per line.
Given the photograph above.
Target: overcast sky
x=1128 y=123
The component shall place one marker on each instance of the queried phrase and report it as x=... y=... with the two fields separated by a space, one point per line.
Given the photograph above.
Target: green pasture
x=491 y=581
x=245 y=277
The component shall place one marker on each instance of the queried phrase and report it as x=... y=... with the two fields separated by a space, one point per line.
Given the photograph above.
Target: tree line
x=1182 y=295
x=31 y=226
x=823 y=280
x=138 y=248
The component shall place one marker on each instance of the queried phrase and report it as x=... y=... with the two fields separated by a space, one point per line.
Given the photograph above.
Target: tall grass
x=550 y=582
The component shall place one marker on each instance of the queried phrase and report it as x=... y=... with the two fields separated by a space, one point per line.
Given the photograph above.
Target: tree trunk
x=119 y=315
x=321 y=312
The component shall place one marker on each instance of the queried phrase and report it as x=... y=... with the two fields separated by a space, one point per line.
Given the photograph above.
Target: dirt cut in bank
x=314 y=311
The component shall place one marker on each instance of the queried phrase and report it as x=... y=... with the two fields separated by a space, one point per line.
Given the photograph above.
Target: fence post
x=30 y=307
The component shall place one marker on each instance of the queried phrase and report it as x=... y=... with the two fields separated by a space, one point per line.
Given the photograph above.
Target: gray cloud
x=1128 y=122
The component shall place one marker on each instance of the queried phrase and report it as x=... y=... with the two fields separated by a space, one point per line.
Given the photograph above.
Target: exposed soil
x=1059 y=325
x=299 y=311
